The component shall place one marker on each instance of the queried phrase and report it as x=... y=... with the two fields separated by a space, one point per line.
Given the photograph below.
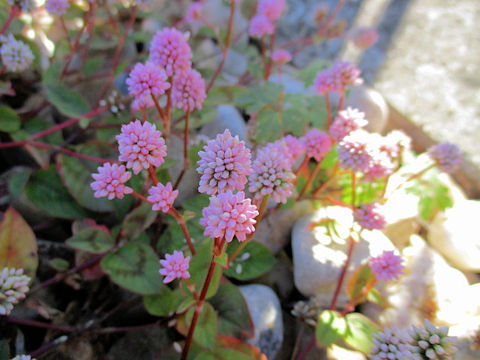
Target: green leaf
x=18 y=246
x=199 y=265
x=309 y=73
x=360 y=330
x=92 y=65
x=233 y=315
x=138 y=220
x=76 y=174
x=134 y=267
x=260 y=96
x=68 y=102
x=375 y=297
x=206 y=330
x=59 y=264
x=360 y=283
x=52 y=75
x=9 y=120
x=254 y=261
x=219 y=95
x=45 y=190
x=95 y=240
x=269 y=126
x=330 y=327
x=165 y=303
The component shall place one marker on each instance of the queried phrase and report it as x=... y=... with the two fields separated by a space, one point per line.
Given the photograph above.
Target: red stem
x=69 y=56
x=64 y=27
x=351 y=245
x=269 y=61
x=227 y=46
x=14 y=11
x=181 y=222
x=310 y=180
x=340 y=102
x=39 y=324
x=329 y=110
x=199 y=305
x=153 y=175
x=307 y=349
x=70 y=152
x=185 y=150
x=160 y=111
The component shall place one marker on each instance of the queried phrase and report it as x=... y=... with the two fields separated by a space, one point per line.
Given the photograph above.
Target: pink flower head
x=396 y=140
x=291 y=147
x=162 y=196
x=381 y=165
x=146 y=80
x=188 y=91
x=371 y=217
x=229 y=215
x=193 y=12
x=271 y=174
x=57 y=7
x=271 y=9
x=447 y=156
x=347 y=121
x=142 y=103
x=324 y=82
x=175 y=266
x=110 y=181
x=224 y=164
x=141 y=146
x=317 y=144
x=354 y=151
x=345 y=74
x=363 y=36
x=387 y=266
x=170 y=50
x=260 y=26
x=281 y=56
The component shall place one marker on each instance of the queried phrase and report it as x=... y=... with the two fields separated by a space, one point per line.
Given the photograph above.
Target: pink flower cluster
x=170 y=50
x=224 y=164
x=141 y=146
x=193 y=12
x=229 y=215
x=110 y=181
x=363 y=37
x=188 y=91
x=162 y=196
x=175 y=266
x=268 y=11
x=337 y=78
x=370 y=217
x=387 y=266
x=291 y=148
x=271 y=174
x=147 y=80
x=345 y=122
x=317 y=144
x=447 y=156
x=57 y=7
x=281 y=56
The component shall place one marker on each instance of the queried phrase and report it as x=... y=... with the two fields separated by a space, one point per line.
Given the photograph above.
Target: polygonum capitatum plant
x=105 y=109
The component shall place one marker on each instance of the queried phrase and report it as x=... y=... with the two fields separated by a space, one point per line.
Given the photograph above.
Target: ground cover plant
x=144 y=222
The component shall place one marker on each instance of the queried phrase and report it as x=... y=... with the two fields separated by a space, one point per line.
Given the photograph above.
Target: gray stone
x=228 y=118
x=319 y=254
x=454 y=234
x=235 y=65
x=266 y=314
x=144 y=344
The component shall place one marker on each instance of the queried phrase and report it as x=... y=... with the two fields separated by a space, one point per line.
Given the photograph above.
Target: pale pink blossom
x=224 y=164
x=146 y=80
x=175 y=266
x=291 y=147
x=170 y=50
x=260 y=26
x=391 y=344
x=13 y=288
x=271 y=175
x=337 y=78
x=447 y=156
x=272 y=9
x=57 y=7
x=281 y=56
x=317 y=144
x=110 y=181
x=162 y=196
x=141 y=146
x=229 y=215
x=142 y=103
x=363 y=36
x=387 y=266
x=354 y=151
x=188 y=91
x=371 y=216
x=347 y=121
x=193 y=12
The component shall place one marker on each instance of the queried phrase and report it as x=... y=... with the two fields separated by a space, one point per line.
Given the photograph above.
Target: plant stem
x=310 y=180
x=354 y=185
x=160 y=112
x=351 y=245
x=227 y=46
x=153 y=175
x=166 y=127
x=48 y=346
x=268 y=61
x=185 y=150
x=14 y=11
x=181 y=222
x=217 y=250
x=64 y=27
x=76 y=42
x=38 y=324
x=322 y=187
x=329 y=109
x=141 y=197
x=69 y=152
x=340 y=102
x=302 y=166
x=307 y=349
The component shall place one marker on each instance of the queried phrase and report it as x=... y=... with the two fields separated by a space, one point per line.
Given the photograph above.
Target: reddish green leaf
x=360 y=283
x=360 y=330
x=330 y=327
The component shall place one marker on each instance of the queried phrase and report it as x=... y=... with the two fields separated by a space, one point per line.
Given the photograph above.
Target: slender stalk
x=141 y=197
x=153 y=175
x=14 y=11
x=38 y=324
x=269 y=61
x=322 y=187
x=329 y=109
x=191 y=287
x=307 y=349
x=186 y=161
x=227 y=46
x=70 y=152
x=65 y=30
x=354 y=185
x=181 y=222
x=312 y=176
x=76 y=43
x=410 y=178
x=48 y=346
x=302 y=166
x=351 y=245
x=168 y=116
x=160 y=111
x=199 y=305
x=340 y=102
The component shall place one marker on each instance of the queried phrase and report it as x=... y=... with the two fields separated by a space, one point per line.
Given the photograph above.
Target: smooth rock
x=235 y=65
x=431 y=288
x=274 y=230
x=266 y=314
x=290 y=84
x=454 y=234
x=319 y=254
x=372 y=103
x=335 y=352
x=228 y=117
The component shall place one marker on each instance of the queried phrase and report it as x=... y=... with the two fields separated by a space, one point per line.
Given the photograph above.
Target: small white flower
x=13 y=287
x=16 y=55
